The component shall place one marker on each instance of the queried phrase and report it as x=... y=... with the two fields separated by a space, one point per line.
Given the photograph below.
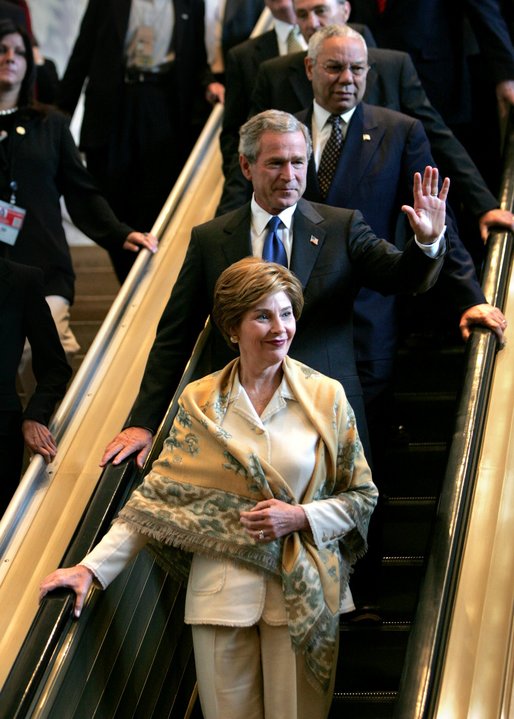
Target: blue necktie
x=274 y=250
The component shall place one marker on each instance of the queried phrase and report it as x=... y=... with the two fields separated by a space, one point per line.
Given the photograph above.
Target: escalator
x=130 y=655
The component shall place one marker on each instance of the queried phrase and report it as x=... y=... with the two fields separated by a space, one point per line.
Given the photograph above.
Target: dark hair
x=26 y=94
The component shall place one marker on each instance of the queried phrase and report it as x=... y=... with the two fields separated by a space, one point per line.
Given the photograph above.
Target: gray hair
x=324 y=33
x=269 y=121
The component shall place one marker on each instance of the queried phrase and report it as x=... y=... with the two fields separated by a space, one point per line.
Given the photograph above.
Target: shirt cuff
x=436 y=248
x=114 y=552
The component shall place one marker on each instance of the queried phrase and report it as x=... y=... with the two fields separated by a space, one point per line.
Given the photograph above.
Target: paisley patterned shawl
x=192 y=499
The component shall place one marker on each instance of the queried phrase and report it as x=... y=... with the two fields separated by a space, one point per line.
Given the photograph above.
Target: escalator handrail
x=78 y=390
x=421 y=676
x=54 y=618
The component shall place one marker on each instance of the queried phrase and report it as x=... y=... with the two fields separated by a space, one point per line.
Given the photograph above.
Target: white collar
x=320 y=115
x=260 y=217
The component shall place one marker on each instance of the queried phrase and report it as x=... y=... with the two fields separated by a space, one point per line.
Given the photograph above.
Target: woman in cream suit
x=263 y=479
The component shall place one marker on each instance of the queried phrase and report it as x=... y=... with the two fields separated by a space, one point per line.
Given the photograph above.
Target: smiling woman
x=264 y=480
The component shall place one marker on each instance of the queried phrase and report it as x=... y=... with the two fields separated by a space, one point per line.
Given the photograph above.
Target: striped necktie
x=293 y=43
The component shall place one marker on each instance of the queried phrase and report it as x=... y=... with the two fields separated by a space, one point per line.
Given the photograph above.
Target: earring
x=234 y=339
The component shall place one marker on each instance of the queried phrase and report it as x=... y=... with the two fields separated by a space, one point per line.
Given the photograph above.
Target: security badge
x=11 y=216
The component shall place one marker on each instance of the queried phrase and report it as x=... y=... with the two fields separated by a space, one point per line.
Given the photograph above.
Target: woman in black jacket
x=39 y=164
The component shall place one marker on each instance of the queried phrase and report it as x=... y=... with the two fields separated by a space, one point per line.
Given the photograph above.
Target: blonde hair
x=243 y=284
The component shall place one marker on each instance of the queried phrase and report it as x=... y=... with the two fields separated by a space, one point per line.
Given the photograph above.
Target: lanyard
x=8 y=143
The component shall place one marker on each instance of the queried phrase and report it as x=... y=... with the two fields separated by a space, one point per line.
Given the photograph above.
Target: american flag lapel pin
x=366 y=137
x=314 y=240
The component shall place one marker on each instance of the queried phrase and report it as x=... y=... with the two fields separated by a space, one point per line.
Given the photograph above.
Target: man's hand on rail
x=136 y=240
x=487 y=316
x=128 y=441
x=499 y=219
x=505 y=97
x=39 y=439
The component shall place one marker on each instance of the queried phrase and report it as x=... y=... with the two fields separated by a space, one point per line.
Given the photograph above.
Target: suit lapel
x=266 y=47
x=362 y=140
x=308 y=239
x=236 y=241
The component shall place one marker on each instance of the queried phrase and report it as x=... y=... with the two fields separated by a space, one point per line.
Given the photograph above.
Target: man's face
x=279 y=174
x=339 y=74
x=313 y=14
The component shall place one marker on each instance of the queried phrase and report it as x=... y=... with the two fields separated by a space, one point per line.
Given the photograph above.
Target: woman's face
x=266 y=331
x=13 y=63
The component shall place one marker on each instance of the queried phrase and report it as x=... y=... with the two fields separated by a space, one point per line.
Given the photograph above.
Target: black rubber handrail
x=420 y=683
x=54 y=619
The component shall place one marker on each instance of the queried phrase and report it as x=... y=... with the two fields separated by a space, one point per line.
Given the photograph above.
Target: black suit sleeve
x=182 y=320
x=80 y=60
x=493 y=37
x=88 y=208
x=384 y=268
x=450 y=156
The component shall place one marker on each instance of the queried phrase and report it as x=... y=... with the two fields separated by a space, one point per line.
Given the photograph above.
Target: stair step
x=430 y=369
x=415 y=468
x=426 y=417
x=363 y=705
x=408 y=525
x=371 y=656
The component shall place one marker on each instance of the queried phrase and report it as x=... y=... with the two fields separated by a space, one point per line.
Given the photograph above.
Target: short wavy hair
x=243 y=284
x=269 y=121
x=328 y=31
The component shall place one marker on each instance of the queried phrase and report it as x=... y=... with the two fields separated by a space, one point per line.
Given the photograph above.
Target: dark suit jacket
x=241 y=68
x=48 y=166
x=334 y=253
x=436 y=35
x=242 y=65
x=24 y=313
x=98 y=55
x=382 y=151
x=392 y=82
x=239 y=20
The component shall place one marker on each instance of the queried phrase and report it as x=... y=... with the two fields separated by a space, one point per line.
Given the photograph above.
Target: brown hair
x=243 y=284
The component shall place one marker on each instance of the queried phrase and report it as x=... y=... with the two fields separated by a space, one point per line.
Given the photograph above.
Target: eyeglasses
x=335 y=69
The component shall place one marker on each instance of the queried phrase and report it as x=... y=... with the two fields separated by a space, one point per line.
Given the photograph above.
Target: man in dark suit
x=141 y=119
x=24 y=314
x=392 y=82
x=332 y=251
x=382 y=150
x=241 y=67
x=243 y=63
x=227 y=24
